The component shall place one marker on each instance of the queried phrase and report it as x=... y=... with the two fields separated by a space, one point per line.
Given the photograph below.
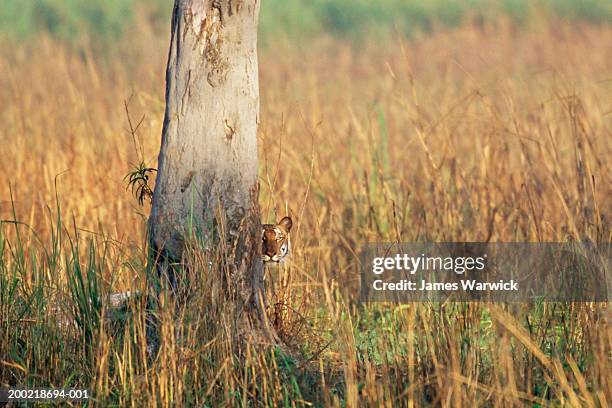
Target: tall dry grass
x=478 y=133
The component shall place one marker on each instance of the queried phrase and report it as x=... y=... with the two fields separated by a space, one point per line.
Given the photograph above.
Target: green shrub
x=105 y=20
x=66 y=19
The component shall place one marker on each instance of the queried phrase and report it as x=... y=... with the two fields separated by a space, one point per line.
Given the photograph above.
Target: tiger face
x=275 y=240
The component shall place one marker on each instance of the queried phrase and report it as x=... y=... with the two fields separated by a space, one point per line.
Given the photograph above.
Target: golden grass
x=472 y=134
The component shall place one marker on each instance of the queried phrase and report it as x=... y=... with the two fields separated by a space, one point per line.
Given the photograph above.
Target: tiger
x=275 y=245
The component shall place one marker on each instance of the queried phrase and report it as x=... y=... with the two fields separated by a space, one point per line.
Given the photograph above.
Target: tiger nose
x=269 y=252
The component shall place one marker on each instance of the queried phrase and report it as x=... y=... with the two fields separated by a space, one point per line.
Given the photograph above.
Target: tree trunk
x=206 y=184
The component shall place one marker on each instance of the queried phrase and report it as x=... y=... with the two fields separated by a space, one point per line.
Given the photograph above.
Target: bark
x=206 y=184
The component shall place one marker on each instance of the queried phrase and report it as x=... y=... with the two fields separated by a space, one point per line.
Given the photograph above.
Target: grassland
x=483 y=131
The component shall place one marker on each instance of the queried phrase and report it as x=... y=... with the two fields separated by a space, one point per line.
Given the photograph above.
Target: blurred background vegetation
x=102 y=21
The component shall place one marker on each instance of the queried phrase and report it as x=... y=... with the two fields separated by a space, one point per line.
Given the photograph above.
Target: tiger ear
x=286 y=224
